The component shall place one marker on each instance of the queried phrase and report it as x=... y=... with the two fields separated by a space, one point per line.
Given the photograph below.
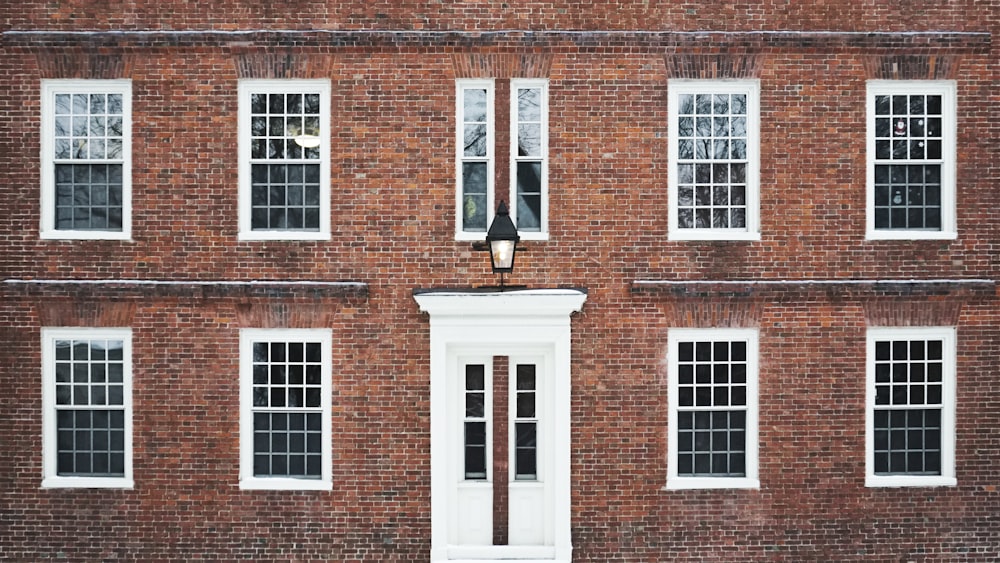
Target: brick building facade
x=244 y=314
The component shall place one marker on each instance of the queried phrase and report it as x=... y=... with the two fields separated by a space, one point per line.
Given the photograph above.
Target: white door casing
x=518 y=324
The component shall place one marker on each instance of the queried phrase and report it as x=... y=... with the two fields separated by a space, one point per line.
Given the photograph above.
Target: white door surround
x=511 y=323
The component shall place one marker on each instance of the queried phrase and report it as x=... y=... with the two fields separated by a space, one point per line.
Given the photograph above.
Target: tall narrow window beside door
x=526 y=153
x=476 y=425
x=525 y=423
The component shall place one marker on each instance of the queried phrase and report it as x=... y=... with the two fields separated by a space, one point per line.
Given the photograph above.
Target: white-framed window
x=714 y=144
x=285 y=397
x=284 y=127
x=87 y=407
x=911 y=159
x=86 y=159
x=529 y=152
x=476 y=198
x=712 y=400
x=910 y=407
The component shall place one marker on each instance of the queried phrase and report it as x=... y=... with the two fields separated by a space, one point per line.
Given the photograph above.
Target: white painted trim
x=752 y=90
x=460 y=86
x=248 y=336
x=750 y=336
x=947 y=89
x=500 y=323
x=245 y=89
x=947 y=336
x=50 y=478
x=543 y=84
x=47 y=201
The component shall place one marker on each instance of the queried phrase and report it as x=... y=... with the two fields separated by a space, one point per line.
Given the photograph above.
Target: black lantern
x=501 y=240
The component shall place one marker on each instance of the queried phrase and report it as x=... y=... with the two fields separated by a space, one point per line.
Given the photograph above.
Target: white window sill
x=698 y=235
x=687 y=483
x=283 y=236
x=65 y=482
x=911 y=235
x=285 y=484
x=85 y=235
x=910 y=481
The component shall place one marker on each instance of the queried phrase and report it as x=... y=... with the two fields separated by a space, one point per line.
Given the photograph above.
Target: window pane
x=474 y=186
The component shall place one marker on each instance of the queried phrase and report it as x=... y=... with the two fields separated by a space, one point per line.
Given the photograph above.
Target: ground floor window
x=713 y=408
x=910 y=406
x=285 y=409
x=87 y=402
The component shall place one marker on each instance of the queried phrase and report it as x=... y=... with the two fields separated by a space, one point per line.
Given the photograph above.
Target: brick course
x=392 y=67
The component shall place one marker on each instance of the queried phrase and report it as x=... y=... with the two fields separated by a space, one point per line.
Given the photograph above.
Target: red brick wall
x=392 y=202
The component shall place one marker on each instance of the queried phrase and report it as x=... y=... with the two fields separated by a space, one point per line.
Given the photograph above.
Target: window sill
x=85 y=235
x=292 y=236
x=712 y=236
x=903 y=235
x=66 y=482
x=689 y=483
x=886 y=481
x=285 y=484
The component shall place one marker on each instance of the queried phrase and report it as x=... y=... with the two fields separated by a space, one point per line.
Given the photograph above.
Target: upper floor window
x=285 y=396
x=527 y=154
x=714 y=155
x=910 y=411
x=911 y=159
x=284 y=159
x=86 y=146
x=87 y=407
x=712 y=376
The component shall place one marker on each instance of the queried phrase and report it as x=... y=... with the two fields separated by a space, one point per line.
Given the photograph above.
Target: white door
x=525 y=456
x=523 y=328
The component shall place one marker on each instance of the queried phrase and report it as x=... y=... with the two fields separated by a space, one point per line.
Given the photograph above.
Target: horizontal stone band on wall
x=696 y=41
x=844 y=288
x=185 y=288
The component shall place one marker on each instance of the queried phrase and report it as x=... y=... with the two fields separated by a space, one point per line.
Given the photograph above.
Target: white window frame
x=50 y=88
x=947 y=90
x=752 y=90
x=50 y=475
x=248 y=480
x=947 y=336
x=543 y=85
x=751 y=337
x=293 y=86
x=460 y=158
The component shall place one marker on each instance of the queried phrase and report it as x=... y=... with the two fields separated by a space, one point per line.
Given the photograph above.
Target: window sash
x=712 y=401
x=285 y=424
x=86 y=145
x=284 y=186
x=475 y=142
x=910 y=412
x=713 y=148
x=87 y=408
x=529 y=161
x=911 y=128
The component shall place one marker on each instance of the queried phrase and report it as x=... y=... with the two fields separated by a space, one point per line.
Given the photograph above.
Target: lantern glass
x=502 y=255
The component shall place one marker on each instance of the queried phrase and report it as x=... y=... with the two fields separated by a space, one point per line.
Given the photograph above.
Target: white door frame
x=506 y=323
